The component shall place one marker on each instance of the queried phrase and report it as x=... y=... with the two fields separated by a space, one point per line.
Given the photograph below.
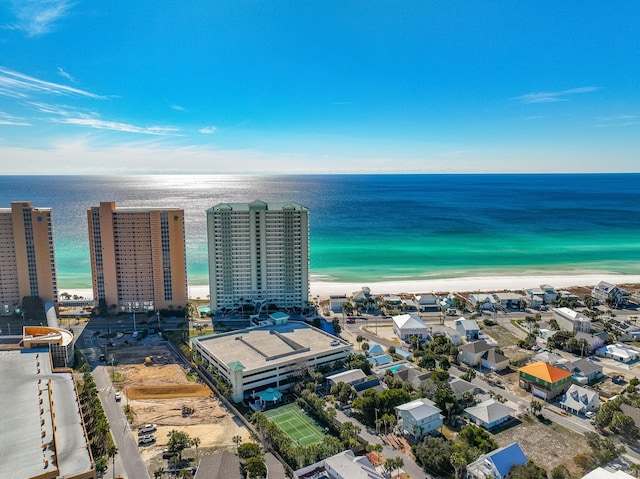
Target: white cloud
x=37 y=17
x=551 y=97
x=7 y=119
x=208 y=130
x=118 y=126
x=66 y=75
x=178 y=108
x=18 y=85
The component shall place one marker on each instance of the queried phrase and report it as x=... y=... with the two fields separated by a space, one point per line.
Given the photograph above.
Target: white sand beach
x=324 y=289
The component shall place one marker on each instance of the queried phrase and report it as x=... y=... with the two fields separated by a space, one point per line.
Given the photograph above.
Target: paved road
x=129 y=463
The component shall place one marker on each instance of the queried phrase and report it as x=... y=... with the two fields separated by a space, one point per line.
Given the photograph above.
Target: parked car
x=119 y=335
x=146 y=428
x=118 y=396
x=147 y=439
x=167 y=454
x=590 y=414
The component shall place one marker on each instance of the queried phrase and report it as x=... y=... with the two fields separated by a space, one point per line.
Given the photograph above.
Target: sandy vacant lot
x=157 y=394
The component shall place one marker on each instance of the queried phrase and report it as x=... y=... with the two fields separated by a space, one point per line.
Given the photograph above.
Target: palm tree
x=157 y=474
x=237 y=440
x=196 y=442
x=111 y=452
x=635 y=468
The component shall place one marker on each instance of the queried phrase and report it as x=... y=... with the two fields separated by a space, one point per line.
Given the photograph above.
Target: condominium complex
x=27 y=258
x=258 y=252
x=137 y=257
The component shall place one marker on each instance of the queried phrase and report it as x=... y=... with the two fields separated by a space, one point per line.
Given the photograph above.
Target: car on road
x=103 y=357
x=147 y=439
x=119 y=335
x=351 y=320
x=590 y=414
x=135 y=334
x=118 y=396
x=147 y=428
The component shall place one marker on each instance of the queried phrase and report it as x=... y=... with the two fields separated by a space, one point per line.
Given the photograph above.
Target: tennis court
x=296 y=424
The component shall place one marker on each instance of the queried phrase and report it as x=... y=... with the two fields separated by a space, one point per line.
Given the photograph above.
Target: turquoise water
x=366 y=228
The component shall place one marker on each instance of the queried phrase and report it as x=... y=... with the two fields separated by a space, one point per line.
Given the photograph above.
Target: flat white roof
x=267 y=346
x=21 y=431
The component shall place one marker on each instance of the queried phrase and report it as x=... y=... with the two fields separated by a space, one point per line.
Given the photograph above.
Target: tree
x=178 y=442
x=365 y=346
x=536 y=407
x=359 y=339
x=101 y=465
x=477 y=438
x=256 y=467
x=196 y=442
x=459 y=463
x=157 y=474
x=392 y=464
x=248 y=449
x=624 y=426
x=434 y=453
x=444 y=363
x=560 y=472
x=635 y=469
x=343 y=392
x=237 y=440
x=112 y=450
x=528 y=471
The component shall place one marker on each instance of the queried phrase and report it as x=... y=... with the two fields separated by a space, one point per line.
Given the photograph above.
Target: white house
x=618 y=352
x=579 y=400
x=486 y=301
x=344 y=465
x=508 y=300
x=419 y=417
x=336 y=302
x=406 y=325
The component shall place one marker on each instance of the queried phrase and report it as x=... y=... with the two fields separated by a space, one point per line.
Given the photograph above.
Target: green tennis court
x=296 y=424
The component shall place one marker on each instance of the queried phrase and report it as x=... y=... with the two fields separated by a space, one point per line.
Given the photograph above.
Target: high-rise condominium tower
x=137 y=257
x=27 y=258
x=258 y=252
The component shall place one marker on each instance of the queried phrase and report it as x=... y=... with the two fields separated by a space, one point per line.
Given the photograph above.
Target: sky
x=135 y=87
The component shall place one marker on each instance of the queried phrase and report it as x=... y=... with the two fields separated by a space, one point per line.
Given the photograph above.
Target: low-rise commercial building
x=42 y=433
x=570 y=320
x=257 y=358
x=407 y=325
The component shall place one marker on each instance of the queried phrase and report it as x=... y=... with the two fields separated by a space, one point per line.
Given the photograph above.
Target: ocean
x=367 y=228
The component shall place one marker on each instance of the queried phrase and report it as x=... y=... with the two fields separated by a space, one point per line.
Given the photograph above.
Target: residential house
x=570 y=320
x=632 y=412
x=550 y=294
x=411 y=375
x=350 y=377
x=428 y=303
x=483 y=355
x=534 y=298
x=486 y=302
x=584 y=370
x=219 y=464
x=508 y=300
x=488 y=414
x=604 y=293
x=407 y=325
x=460 y=386
x=580 y=400
x=548 y=357
x=494 y=361
x=544 y=380
x=419 y=417
x=376 y=355
x=451 y=334
x=336 y=302
x=607 y=473
x=344 y=465
x=471 y=353
x=594 y=341
x=468 y=329
x=618 y=352
x=497 y=464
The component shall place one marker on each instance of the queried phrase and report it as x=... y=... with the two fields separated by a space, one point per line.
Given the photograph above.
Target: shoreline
x=324 y=289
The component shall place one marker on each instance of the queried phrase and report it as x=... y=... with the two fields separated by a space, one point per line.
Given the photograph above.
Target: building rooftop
x=420 y=408
x=347 y=377
x=265 y=346
x=476 y=347
x=546 y=372
x=467 y=324
x=602 y=473
x=27 y=425
x=258 y=205
x=489 y=411
x=407 y=321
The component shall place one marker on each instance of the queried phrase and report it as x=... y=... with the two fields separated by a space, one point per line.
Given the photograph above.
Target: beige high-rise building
x=258 y=252
x=137 y=257
x=27 y=257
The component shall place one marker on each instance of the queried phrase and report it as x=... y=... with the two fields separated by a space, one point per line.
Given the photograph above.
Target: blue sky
x=318 y=87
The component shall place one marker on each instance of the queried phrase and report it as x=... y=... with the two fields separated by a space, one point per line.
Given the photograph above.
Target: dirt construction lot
x=161 y=393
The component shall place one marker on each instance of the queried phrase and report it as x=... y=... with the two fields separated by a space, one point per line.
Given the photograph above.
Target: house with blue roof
x=497 y=464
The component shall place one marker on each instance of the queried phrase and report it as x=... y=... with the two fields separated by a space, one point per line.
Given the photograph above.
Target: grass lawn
x=296 y=424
